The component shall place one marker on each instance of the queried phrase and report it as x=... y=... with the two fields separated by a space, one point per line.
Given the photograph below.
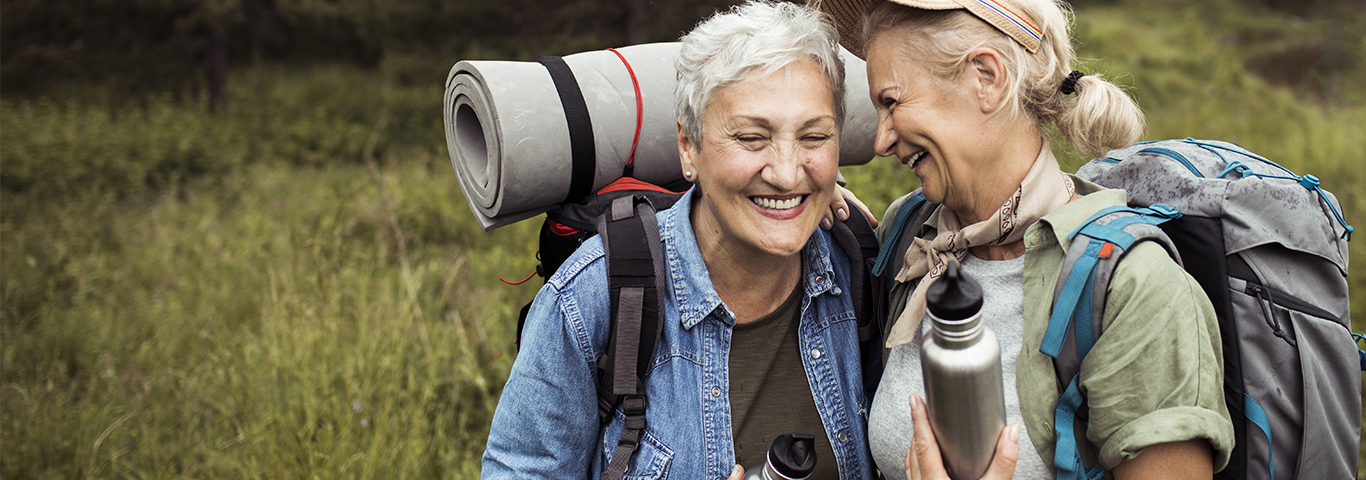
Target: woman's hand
x=924 y=462
x=737 y=473
x=839 y=208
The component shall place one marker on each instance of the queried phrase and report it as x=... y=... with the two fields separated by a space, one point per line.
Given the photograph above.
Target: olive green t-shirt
x=769 y=392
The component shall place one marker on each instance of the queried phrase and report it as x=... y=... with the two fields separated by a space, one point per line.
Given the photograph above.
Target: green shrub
x=321 y=116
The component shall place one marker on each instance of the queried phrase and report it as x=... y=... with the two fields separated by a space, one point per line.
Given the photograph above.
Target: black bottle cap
x=954 y=296
x=793 y=455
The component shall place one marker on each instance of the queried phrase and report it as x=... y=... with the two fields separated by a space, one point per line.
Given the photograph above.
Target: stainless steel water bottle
x=792 y=456
x=961 y=360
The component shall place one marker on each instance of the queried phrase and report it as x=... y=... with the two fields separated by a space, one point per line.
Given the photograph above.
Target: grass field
x=297 y=289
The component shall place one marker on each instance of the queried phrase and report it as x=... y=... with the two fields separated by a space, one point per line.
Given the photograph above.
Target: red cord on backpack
x=524 y=280
x=640 y=110
x=519 y=282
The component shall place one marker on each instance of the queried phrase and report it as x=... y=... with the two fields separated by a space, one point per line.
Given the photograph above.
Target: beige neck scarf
x=1044 y=189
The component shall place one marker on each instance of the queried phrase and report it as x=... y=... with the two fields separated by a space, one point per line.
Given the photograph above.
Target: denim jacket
x=546 y=423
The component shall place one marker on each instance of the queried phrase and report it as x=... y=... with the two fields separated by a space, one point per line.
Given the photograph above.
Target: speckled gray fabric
x=1296 y=222
x=889 y=422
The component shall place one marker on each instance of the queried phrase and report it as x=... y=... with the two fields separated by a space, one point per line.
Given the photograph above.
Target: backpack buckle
x=633 y=405
x=1165 y=211
x=1309 y=182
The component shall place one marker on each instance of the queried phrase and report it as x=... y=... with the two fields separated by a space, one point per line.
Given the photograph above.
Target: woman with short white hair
x=756 y=314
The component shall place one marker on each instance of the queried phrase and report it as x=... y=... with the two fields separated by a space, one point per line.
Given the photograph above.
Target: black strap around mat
x=581 y=148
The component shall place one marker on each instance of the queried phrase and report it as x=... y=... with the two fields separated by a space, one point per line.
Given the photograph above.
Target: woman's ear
x=988 y=74
x=686 y=150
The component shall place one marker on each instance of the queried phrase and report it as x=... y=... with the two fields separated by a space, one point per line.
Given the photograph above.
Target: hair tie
x=1069 y=85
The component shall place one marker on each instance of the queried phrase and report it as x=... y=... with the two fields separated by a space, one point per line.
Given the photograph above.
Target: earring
x=688 y=175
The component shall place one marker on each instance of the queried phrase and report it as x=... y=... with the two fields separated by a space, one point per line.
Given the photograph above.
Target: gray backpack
x=1270 y=250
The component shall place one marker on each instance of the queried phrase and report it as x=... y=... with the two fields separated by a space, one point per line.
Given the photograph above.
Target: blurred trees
x=189 y=45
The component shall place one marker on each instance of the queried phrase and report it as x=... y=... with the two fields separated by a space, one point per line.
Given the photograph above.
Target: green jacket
x=1155 y=374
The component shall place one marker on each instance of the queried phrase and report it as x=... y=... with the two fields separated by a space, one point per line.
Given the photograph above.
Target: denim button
x=815 y=353
x=820 y=279
x=715 y=391
x=842 y=437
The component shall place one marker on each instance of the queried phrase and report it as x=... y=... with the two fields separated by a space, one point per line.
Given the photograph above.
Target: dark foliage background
x=160 y=45
x=187 y=46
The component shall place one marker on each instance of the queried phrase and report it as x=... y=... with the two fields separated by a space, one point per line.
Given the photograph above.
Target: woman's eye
x=750 y=139
x=815 y=138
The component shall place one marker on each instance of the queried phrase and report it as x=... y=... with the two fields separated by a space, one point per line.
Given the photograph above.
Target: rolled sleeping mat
x=517 y=153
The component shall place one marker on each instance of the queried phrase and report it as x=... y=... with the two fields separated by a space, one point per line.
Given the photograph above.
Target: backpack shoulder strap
x=909 y=215
x=1079 y=294
x=1078 y=310
x=858 y=240
x=630 y=237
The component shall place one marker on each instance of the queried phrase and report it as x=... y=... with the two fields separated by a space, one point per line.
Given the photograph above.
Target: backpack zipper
x=1174 y=156
x=1268 y=296
x=1264 y=299
x=1288 y=301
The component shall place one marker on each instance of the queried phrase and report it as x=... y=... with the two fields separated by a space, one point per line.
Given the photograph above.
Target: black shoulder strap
x=858 y=240
x=630 y=238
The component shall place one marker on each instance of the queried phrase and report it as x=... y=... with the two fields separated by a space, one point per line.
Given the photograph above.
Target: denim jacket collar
x=691 y=283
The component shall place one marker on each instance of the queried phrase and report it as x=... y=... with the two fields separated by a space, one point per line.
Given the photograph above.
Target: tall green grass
x=297 y=288
x=271 y=331
x=237 y=296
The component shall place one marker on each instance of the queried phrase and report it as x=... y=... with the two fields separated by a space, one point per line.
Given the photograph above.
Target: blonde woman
x=964 y=90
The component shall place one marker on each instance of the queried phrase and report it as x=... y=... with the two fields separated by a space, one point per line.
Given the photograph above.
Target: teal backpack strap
x=912 y=213
x=1359 y=338
x=1078 y=309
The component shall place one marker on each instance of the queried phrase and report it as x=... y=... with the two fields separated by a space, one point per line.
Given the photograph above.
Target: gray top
x=889 y=422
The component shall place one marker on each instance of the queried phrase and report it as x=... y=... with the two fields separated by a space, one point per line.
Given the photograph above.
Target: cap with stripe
x=1002 y=14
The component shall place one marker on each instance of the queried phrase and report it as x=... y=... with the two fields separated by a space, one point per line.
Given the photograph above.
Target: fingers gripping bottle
x=961 y=360
x=792 y=456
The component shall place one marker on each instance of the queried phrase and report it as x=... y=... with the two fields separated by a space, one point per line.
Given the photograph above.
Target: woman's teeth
x=917 y=157
x=777 y=204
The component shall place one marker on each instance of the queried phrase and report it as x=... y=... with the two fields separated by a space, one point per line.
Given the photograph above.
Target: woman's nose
x=784 y=169
x=884 y=144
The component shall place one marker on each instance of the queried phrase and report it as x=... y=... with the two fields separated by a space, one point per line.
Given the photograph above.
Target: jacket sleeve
x=546 y=424
x=1156 y=373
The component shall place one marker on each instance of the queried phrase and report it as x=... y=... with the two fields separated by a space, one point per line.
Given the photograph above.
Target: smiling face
x=766 y=163
x=940 y=128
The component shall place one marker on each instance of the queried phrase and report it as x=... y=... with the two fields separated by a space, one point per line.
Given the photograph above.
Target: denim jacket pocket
x=650 y=461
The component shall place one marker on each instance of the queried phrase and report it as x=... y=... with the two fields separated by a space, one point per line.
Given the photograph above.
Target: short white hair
x=757 y=36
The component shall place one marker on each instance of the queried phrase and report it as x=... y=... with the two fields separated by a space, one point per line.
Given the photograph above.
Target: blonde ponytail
x=1101 y=117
